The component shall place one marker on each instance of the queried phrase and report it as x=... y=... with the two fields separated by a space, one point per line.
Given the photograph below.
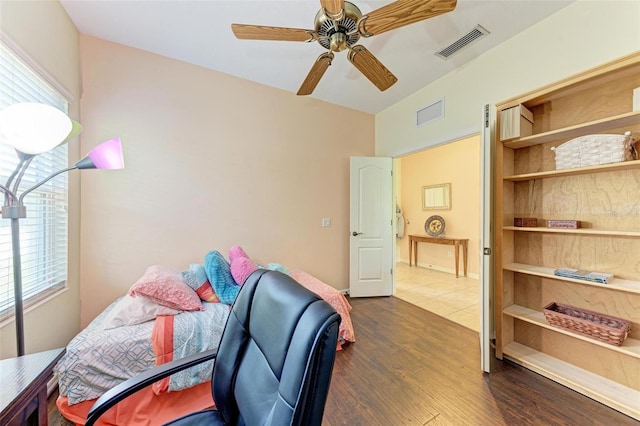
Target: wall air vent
x=475 y=34
x=432 y=112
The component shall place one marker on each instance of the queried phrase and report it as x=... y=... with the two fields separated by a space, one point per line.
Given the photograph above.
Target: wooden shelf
x=596 y=126
x=579 y=231
x=539 y=271
x=615 y=395
x=629 y=347
x=625 y=165
x=595 y=101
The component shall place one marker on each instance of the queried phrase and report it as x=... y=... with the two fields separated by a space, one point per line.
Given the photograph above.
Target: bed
x=142 y=329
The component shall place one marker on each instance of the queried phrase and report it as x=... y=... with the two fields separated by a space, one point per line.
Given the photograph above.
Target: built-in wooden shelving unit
x=605 y=198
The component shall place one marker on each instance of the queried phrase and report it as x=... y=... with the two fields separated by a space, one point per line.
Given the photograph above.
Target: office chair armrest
x=142 y=380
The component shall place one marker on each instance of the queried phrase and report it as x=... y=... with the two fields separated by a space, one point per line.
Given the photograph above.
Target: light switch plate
x=326 y=222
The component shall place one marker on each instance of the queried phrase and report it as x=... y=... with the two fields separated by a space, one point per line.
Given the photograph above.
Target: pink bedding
x=335 y=299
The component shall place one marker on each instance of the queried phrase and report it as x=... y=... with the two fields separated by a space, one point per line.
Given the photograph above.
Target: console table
x=23 y=394
x=456 y=242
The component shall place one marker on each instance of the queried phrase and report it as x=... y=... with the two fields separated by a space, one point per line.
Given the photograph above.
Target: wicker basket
x=591 y=324
x=591 y=150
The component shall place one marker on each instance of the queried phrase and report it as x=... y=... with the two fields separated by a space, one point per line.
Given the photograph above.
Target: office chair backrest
x=276 y=354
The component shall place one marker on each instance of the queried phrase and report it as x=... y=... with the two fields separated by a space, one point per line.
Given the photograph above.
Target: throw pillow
x=134 y=310
x=165 y=287
x=278 y=267
x=241 y=264
x=219 y=274
x=196 y=278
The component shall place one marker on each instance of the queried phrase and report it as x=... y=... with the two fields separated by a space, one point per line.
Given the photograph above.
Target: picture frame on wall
x=436 y=197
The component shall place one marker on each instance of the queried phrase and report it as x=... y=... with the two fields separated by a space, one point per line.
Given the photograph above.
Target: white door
x=371 y=234
x=486 y=242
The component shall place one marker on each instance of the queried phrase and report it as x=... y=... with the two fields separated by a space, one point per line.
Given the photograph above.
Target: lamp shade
x=33 y=128
x=107 y=155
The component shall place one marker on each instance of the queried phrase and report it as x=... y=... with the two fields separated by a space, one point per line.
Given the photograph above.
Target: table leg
x=457 y=255
x=43 y=415
x=410 y=250
x=465 y=246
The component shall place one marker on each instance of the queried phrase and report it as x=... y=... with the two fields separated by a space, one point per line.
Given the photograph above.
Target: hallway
x=457 y=299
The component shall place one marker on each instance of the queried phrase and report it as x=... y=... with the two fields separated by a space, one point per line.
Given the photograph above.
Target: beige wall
x=457 y=163
x=582 y=35
x=211 y=161
x=44 y=31
x=278 y=169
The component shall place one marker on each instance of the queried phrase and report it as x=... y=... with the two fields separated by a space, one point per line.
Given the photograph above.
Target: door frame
x=485 y=261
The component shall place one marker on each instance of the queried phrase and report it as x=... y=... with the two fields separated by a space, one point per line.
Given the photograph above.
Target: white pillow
x=135 y=310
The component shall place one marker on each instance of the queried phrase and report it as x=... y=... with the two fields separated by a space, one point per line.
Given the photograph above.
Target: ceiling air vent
x=432 y=112
x=475 y=34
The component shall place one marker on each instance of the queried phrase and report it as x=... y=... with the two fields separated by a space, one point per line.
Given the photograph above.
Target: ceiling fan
x=339 y=25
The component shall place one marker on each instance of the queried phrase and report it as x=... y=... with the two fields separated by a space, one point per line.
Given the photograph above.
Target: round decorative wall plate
x=434 y=226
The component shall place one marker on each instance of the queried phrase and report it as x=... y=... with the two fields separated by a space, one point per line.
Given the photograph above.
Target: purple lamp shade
x=107 y=155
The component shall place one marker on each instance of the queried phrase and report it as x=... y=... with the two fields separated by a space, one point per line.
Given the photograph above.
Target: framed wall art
x=436 y=197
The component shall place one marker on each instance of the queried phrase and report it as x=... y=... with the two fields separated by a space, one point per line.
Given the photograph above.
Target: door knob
x=355 y=234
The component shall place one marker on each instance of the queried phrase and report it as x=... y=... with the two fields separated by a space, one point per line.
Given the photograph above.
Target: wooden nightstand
x=23 y=387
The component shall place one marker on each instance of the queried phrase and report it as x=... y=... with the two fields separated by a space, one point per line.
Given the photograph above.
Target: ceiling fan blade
x=371 y=67
x=401 y=13
x=317 y=71
x=260 y=32
x=333 y=7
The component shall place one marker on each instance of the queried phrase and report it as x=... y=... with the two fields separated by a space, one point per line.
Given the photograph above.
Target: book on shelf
x=581 y=274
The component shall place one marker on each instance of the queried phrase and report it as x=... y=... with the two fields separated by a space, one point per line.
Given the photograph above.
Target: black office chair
x=273 y=365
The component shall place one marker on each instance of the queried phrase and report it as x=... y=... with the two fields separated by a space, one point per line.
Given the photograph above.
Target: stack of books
x=581 y=274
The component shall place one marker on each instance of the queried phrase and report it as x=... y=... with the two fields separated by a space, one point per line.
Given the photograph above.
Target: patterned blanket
x=97 y=360
x=175 y=337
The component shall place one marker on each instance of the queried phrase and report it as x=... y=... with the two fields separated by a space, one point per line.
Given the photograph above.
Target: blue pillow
x=219 y=273
x=278 y=267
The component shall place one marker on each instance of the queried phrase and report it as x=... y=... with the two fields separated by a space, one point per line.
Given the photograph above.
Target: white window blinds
x=43 y=233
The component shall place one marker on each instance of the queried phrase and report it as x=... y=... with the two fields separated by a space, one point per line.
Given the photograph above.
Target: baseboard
x=447 y=270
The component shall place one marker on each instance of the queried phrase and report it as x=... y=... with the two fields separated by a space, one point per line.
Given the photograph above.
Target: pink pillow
x=166 y=288
x=241 y=265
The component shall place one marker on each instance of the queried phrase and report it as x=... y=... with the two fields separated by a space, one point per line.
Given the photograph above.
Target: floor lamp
x=33 y=128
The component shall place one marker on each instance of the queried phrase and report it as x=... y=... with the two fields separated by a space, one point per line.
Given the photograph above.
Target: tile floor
x=457 y=299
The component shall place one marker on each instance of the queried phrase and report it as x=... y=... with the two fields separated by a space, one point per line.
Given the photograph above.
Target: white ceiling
x=199 y=32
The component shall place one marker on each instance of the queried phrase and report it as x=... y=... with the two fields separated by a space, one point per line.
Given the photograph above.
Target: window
x=43 y=233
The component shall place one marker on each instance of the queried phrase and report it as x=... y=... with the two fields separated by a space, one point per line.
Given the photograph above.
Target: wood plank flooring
x=412 y=367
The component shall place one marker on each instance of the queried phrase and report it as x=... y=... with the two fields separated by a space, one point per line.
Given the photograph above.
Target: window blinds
x=43 y=233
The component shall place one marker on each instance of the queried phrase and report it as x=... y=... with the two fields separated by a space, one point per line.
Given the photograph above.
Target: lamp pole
x=17 y=274
x=15 y=210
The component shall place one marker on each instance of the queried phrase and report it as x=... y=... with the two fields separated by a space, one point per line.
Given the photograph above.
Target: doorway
x=432 y=284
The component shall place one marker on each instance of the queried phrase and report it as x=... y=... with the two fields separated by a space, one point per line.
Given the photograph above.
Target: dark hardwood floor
x=411 y=367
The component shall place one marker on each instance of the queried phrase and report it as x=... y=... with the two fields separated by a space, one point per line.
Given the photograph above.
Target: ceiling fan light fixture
x=347 y=26
x=338 y=42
